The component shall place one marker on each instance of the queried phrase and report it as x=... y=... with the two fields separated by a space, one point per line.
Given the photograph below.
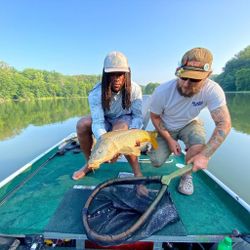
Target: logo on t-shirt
x=199 y=103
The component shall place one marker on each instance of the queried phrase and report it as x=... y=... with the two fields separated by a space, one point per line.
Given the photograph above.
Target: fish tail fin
x=153 y=136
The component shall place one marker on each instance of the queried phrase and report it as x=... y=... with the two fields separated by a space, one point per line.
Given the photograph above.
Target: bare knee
x=156 y=165
x=84 y=125
x=158 y=157
x=120 y=125
x=157 y=162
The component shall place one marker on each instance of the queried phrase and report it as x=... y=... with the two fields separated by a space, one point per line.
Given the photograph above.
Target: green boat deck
x=207 y=215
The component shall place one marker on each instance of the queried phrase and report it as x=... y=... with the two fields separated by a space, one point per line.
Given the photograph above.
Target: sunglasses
x=190 y=79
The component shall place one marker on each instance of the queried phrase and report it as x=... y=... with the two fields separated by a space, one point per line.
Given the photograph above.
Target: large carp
x=126 y=142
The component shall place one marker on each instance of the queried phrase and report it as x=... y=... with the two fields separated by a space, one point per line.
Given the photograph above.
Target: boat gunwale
x=228 y=190
x=155 y=238
x=29 y=164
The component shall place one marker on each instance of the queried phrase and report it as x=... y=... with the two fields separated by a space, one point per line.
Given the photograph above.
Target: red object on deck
x=140 y=245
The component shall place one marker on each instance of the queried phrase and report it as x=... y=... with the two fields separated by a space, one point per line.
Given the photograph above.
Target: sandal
x=186 y=185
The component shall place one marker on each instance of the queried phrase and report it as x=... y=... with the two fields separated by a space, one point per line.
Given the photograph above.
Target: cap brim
x=109 y=70
x=194 y=74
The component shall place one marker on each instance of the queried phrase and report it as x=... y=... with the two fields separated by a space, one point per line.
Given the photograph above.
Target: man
x=174 y=109
x=115 y=103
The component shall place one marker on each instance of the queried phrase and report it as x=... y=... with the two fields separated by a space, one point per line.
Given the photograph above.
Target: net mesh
x=116 y=208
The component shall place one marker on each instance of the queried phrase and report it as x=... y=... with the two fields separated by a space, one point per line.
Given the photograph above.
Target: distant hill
x=33 y=83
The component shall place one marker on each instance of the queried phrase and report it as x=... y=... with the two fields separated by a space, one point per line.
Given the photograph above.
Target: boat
x=41 y=204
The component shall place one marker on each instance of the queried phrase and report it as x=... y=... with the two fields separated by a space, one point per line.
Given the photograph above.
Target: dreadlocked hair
x=107 y=92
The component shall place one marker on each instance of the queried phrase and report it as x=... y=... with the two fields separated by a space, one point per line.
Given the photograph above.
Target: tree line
x=32 y=84
x=236 y=73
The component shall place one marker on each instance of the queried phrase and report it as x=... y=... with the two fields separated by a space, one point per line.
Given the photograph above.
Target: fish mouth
x=95 y=164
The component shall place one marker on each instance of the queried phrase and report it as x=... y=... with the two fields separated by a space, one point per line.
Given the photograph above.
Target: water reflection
x=16 y=116
x=239 y=106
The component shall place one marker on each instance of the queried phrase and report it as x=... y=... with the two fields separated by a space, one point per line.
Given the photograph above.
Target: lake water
x=29 y=128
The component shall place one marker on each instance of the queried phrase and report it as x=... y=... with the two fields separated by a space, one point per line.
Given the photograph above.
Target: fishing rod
x=61 y=151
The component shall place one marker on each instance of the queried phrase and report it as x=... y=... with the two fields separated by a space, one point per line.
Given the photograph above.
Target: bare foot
x=79 y=174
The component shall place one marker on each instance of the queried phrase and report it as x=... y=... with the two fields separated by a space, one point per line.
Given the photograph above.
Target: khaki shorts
x=192 y=134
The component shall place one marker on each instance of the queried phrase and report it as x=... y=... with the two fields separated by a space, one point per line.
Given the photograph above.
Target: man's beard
x=184 y=94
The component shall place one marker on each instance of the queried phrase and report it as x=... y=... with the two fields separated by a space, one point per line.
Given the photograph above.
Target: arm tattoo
x=222 y=121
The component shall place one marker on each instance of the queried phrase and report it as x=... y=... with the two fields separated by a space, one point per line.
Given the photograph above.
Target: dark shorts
x=109 y=123
x=192 y=134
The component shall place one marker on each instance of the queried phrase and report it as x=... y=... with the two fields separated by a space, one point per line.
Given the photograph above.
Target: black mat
x=68 y=216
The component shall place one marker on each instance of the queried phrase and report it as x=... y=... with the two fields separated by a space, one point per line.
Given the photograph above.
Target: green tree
x=32 y=83
x=149 y=88
x=242 y=79
x=233 y=70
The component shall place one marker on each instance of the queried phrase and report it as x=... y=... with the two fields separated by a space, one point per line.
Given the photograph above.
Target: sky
x=74 y=36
